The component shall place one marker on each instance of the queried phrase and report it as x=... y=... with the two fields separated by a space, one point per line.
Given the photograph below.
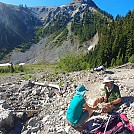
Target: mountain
x=19 y=22
x=45 y=34
x=16 y=26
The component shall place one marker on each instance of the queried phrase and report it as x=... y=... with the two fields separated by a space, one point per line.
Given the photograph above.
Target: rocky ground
x=29 y=108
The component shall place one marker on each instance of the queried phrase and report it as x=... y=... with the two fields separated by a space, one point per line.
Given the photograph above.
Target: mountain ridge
x=45 y=15
x=78 y=28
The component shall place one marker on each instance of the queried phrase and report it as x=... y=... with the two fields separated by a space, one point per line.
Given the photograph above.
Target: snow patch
x=5 y=64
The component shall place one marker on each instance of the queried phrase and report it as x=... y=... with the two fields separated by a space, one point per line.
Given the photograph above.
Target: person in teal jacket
x=78 y=111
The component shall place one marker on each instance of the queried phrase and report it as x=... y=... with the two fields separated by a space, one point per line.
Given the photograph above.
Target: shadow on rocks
x=109 y=72
x=18 y=124
x=128 y=100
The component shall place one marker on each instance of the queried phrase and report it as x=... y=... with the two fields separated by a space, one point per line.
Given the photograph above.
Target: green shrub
x=131 y=59
x=71 y=63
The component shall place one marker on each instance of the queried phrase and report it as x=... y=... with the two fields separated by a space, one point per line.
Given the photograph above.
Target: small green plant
x=61 y=83
x=71 y=79
x=27 y=77
x=131 y=59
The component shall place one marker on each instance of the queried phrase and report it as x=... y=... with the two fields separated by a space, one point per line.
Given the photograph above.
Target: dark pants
x=80 y=124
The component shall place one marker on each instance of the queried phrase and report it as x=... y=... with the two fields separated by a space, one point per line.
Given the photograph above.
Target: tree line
x=12 y=69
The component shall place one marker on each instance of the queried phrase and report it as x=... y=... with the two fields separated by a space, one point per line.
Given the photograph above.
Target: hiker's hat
x=80 y=90
x=107 y=79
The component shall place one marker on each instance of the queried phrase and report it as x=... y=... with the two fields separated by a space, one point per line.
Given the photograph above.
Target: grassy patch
x=26 y=69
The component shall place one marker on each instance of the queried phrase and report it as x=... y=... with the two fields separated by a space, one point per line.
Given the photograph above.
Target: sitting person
x=78 y=111
x=111 y=96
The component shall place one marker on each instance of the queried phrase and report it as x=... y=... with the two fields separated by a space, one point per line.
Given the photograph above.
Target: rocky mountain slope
x=41 y=109
x=56 y=37
x=16 y=27
x=48 y=50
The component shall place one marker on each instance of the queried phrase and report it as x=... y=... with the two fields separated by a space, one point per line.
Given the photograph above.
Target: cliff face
x=17 y=26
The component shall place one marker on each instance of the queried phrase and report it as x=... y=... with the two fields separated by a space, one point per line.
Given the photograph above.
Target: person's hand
x=108 y=104
x=83 y=109
x=95 y=108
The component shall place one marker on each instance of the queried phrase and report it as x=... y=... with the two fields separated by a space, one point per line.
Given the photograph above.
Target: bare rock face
x=89 y=2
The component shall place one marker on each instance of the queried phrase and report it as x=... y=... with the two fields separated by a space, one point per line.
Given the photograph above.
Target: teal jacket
x=75 y=108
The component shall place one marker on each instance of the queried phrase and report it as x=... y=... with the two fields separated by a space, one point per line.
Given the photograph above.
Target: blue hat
x=80 y=90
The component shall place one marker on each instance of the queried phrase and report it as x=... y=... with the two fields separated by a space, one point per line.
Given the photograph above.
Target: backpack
x=115 y=124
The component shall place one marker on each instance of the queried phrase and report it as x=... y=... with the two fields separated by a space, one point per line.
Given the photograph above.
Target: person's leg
x=81 y=123
x=84 y=117
x=98 y=100
x=95 y=103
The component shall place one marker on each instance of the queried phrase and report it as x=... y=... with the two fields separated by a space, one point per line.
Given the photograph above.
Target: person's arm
x=105 y=94
x=105 y=98
x=114 y=102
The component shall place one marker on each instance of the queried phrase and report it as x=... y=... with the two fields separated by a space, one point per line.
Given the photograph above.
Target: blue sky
x=113 y=7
